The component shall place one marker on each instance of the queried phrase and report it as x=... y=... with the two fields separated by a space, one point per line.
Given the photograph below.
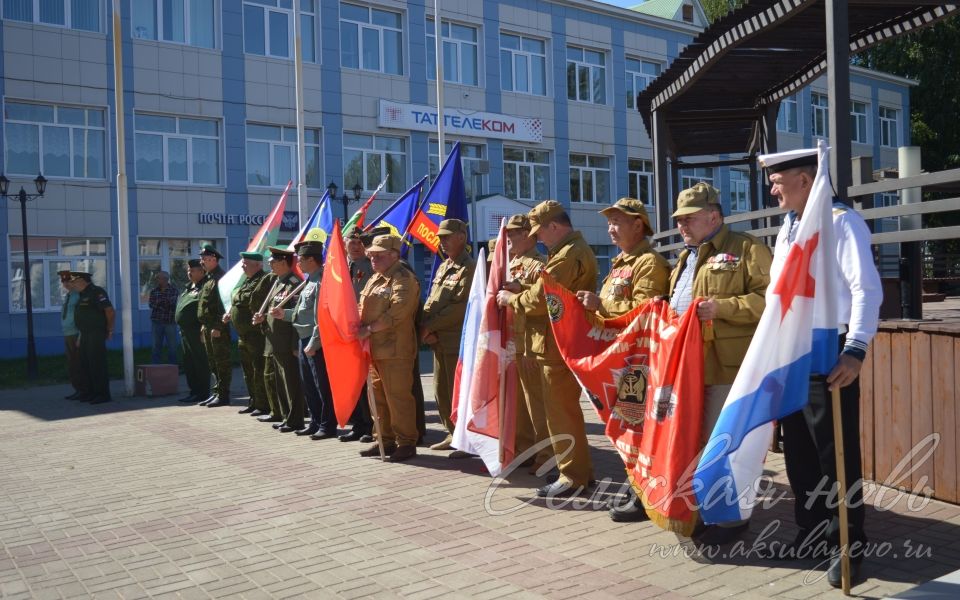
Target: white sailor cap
x=781 y=161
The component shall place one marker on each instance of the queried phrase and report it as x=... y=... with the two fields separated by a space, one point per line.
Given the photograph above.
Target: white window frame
x=640 y=169
x=187 y=25
x=691 y=176
x=380 y=29
x=73 y=129
x=581 y=63
x=67 y=17
x=167 y=136
x=166 y=260
x=739 y=191
x=594 y=170
x=530 y=166
x=820 y=115
x=637 y=81
x=77 y=263
x=468 y=162
x=859 y=122
x=889 y=127
x=394 y=184
x=526 y=56
x=291 y=31
x=459 y=45
x=292 y=146
x=788 y=108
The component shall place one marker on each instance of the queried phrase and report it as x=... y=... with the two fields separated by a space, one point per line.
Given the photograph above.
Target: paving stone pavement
x=145 y=497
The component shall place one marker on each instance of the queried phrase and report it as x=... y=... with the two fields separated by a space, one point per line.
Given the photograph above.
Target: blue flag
x=399 y=215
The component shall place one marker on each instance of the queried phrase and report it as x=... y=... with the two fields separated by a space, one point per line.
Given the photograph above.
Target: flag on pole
x=797 y=336
x=356 y=220
x=486 y=447
x=320 y=219
x=338 y=320
x=399 y=215
x=266 y=236
x=446 y=199
x=493 y=389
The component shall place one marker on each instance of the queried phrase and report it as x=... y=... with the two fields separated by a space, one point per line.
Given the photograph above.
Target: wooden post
x=841 y=492
x=373 y=415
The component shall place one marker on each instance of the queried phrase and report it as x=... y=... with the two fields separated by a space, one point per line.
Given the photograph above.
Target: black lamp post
x=357 y=190
x=23 y=196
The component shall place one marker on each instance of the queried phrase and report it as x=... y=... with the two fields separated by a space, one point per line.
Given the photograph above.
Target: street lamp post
x=23 y=196
x=357 y=190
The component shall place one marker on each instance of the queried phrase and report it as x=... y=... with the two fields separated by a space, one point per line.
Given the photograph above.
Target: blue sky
x=623 y=3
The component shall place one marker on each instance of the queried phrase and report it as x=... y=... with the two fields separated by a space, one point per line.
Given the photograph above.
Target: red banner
x=643 y=373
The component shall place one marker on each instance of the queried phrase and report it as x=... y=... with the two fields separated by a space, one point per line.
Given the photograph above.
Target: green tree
x=718 y=8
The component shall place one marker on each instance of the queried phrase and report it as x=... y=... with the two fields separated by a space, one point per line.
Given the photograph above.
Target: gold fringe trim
x=678 y=526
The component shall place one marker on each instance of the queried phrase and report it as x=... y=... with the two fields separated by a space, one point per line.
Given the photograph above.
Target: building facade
x=541 y=95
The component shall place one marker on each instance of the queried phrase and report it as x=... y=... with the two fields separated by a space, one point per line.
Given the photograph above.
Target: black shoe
x=268 y=418
x=287 y=429
x=715 y=535
x=246 y=411
x=366 y=439
x=279 y=424
x=219 y=402
x=402 y=453
x=560 y=489
x=72 y=396
x=99 y=400
x=322 y=434
x=352 y=436
x=84 y=398
x=835 y=572
x=259 y=413
x=308 y=430
x=212 y=398
x=628 y=512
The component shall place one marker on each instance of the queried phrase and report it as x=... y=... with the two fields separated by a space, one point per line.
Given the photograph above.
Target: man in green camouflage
x=245 y=302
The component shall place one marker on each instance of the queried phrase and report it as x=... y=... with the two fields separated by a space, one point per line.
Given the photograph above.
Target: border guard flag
x=797 y=336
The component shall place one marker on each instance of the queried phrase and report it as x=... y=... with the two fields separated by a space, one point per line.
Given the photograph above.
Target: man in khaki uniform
x=388 y=306
x=731 y=271
x=574 y=266
x=443 y=314
x=245 y=302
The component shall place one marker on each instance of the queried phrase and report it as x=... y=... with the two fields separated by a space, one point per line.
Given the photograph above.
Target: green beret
x=209 y=250
x=252 y=256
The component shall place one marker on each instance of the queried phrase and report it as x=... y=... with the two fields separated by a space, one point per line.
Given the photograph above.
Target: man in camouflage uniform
x=281 y=372
x=443 y=314
x=216 y=333
x=94 y=317
x=573 y=265
x=195 y=365
x=244 y=303
x=360 y=272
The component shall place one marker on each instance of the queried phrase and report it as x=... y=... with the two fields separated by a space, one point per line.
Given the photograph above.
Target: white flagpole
x=123 y=210
x=298 y=84
x=441 y=147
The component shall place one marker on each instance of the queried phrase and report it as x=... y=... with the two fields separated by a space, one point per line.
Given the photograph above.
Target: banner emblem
x=554 y=307
x=631 y=395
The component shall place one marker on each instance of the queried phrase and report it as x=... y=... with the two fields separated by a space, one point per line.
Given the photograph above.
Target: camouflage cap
x=451 y=226
x=696 y=198
x=518 y=222
x=632 y=208
x=210 y=250
x=543 y=213
x=384 y=243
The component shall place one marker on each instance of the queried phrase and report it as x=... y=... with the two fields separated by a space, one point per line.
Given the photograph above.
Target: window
x=47 y=256
x=691 y=177
x=687 y=13
x=170 y=255
x=889 y=127
x=858 y=122
x=177 y=149
x=602 y=253
x=589 y=178
x=268 y=28
x=526 y=174
x=460 y=52
x=179 y=21
x=470 y=157
x=788 y=119
x=73 y=14
x=368 y=159
x=272 y=155
x=639 y=75
x=819 y=123
x=58 y=141
x=586 y=75
x=739 y=191
x=371 y=39
x=640 y=180
x=523 y=64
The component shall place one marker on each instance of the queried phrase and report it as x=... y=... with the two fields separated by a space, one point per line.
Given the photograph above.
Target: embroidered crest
x=554 y=307
x=632 y=394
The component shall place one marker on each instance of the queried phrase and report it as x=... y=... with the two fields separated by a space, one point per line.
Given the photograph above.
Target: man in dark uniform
x=195 y=365
x=360 y=272
x=94 y=319
x=78 y=379
x=245 y=302
x=216 y=333
x=281 y=372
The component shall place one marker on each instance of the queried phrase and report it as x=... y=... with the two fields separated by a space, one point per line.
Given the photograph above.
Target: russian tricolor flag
x=797 y=336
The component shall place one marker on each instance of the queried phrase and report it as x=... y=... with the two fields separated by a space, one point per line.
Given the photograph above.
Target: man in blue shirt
x=70 y=332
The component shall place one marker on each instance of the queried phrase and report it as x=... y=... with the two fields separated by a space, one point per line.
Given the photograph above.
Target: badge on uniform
x=723 y=261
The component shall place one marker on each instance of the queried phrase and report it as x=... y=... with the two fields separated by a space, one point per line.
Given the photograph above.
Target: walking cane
x=842 y=491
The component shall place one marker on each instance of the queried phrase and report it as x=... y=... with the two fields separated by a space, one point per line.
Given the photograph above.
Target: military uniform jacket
x=525 y=270
x=90 y=315
x=446 y=305
x=247 y=299
x=734 y=269
x=574 y=266
x=304 y=314
x=391 y=299
x=280 y=334
x=187 y=303
x=210 y=308
x=635 y=277
x=360 y=272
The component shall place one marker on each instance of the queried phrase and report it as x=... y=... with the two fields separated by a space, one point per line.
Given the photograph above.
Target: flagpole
x=441 y=143
x=298 y=84
x=842 y=492
x=123 y=209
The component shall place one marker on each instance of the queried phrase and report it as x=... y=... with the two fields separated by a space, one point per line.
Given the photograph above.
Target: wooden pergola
x=722 y=94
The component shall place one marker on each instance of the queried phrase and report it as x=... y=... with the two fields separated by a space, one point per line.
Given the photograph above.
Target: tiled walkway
x=151 y=498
